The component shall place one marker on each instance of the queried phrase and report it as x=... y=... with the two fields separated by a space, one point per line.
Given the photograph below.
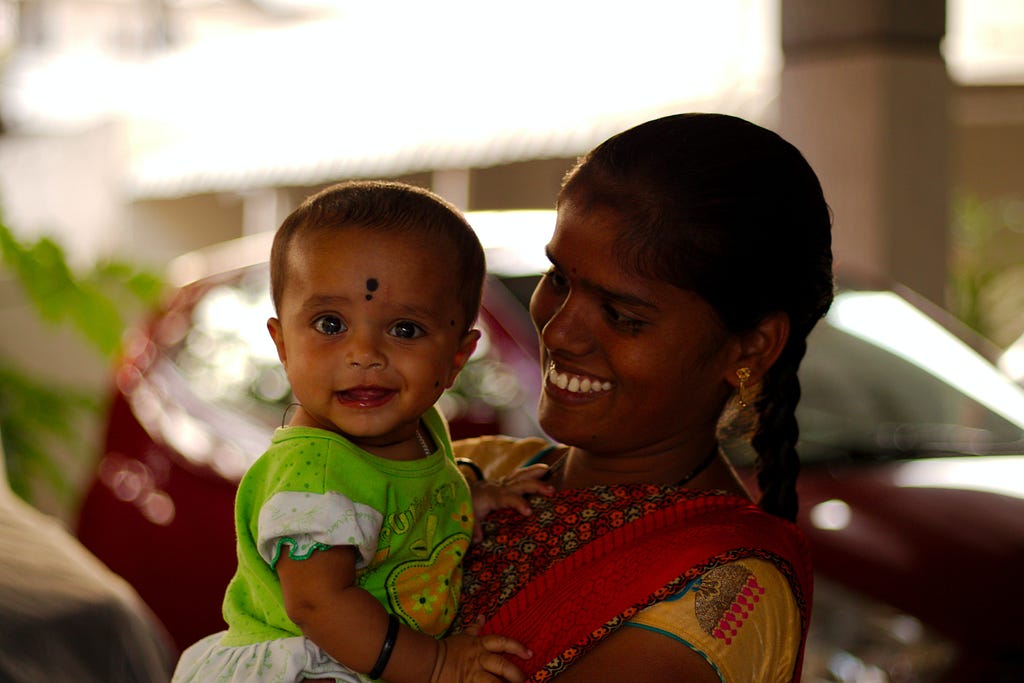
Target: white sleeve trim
x=309 y=521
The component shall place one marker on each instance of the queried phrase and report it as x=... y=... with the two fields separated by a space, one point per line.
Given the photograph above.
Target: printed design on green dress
x=424 y=592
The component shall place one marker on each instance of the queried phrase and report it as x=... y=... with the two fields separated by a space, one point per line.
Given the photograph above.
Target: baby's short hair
x=389 y=206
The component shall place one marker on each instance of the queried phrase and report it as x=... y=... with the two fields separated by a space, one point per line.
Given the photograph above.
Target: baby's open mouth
x=365 y=395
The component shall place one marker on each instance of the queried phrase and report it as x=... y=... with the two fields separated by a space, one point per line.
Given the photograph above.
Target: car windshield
x=224 y=351
x=882 y=379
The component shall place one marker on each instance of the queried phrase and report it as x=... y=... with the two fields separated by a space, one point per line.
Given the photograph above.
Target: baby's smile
x=365 y=396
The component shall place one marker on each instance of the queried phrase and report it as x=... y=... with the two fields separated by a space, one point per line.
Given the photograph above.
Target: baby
x=352 y=526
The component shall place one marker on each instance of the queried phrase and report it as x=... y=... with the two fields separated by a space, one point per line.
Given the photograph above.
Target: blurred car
x=1011 y=361
x=912 y=489
x=912 y=494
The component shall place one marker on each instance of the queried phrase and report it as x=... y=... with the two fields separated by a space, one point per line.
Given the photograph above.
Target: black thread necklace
x=701 y=466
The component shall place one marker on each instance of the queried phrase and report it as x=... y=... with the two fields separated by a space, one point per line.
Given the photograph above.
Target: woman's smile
x=575 y=383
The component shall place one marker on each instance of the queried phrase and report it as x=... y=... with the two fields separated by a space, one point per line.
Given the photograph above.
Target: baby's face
x=370 y=331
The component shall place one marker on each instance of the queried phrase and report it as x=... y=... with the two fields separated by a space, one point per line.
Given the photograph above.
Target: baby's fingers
x=525 y=486
x=532 y=472
x=528 y=480
x=511 y=498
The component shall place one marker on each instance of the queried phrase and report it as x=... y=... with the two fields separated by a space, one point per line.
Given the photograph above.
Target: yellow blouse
x=733 y=615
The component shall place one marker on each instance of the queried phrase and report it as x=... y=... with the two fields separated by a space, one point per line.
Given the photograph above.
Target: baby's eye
x=405 y=329
x=329 y=325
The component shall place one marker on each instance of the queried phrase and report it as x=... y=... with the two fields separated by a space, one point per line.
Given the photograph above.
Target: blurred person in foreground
x=64 y=616
x=690 y=259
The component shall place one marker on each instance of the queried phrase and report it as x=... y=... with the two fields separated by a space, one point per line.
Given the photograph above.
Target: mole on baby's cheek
x=371 y=286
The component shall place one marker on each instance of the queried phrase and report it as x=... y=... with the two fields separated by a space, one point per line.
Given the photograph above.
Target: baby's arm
x=507 y=492
x=349 y=624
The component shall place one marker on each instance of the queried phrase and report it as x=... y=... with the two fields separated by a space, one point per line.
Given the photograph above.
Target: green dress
x=410 y=522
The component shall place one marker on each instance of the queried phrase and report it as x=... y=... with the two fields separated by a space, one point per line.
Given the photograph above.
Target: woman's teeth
x=575 y=383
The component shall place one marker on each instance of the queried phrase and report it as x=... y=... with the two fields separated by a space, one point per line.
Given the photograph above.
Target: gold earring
x=743 y=374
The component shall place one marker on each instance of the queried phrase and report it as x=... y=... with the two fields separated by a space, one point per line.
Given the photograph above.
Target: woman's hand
x=507 y=492
x=469 y=658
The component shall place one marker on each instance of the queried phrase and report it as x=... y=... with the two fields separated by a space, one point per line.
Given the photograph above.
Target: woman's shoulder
x=499 y=455
x=732 y=615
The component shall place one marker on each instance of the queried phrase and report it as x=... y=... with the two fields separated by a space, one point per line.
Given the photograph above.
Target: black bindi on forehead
x=371 y=286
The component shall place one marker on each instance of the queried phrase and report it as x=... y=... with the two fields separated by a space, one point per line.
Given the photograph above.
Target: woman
x=691 y=258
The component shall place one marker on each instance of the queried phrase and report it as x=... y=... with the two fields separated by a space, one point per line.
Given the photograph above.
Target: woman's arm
x=322 y=598
x=636 y=654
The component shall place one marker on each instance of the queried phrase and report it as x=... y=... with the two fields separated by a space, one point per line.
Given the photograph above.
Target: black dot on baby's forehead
x=372 y=284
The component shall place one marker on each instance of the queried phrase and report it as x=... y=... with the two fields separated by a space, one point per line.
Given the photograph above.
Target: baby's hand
x=468 y=658
x=507 y=492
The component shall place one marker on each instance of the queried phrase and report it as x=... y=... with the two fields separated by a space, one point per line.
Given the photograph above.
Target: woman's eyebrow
x=616 y=296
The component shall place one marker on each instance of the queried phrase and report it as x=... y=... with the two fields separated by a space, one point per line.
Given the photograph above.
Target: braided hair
x=729 y=210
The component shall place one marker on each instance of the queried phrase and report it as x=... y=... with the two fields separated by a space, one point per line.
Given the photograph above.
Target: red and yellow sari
x=590 y=560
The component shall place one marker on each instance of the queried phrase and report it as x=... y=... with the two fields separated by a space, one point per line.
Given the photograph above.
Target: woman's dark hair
x=387 y=206
x=727 y=209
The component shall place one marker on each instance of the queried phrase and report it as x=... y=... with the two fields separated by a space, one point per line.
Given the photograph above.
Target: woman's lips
x=365 y=397
x=574 y=383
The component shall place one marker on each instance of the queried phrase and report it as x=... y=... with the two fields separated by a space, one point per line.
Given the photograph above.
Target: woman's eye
x=404 y=329
x=555 y=278
x=329 y=325
x=623 y=321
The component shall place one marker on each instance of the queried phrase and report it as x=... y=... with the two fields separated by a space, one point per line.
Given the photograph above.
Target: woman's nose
x=565 y=327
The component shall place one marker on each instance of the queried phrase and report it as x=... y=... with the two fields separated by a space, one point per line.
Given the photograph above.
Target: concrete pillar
x=264 y=209
x=865 y=95
x=453 y=185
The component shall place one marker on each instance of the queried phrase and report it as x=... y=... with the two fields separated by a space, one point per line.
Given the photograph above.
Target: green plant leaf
x=39 y=419
x=36 y=418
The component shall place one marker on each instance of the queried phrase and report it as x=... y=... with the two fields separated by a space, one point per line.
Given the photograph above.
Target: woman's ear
x=759 y=348
x=277 y=334
x=466 y=348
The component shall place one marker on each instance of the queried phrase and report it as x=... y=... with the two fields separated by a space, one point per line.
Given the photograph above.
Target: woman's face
x=631 y=365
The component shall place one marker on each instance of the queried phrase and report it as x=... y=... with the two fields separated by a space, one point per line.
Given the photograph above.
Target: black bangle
x=386 y=648
x=477 y=472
